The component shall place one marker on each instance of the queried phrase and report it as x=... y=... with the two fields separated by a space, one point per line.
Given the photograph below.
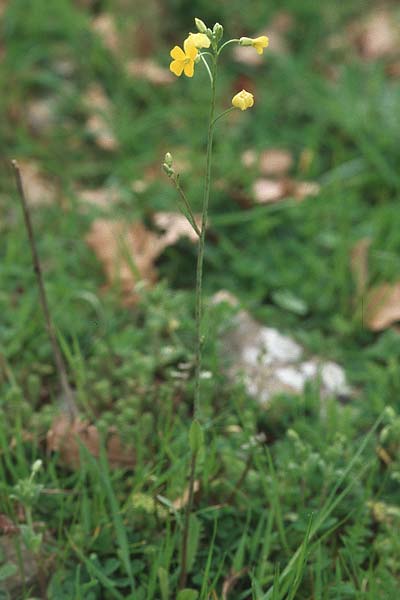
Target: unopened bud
x=37 y=465
x=168 y=170
x=218 y=31
x=168 y=159
x=245 y=41
x=201 y=26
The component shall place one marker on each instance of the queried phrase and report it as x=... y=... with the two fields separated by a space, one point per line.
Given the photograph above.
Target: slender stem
x=188 y=209
x=61 y=369
x=228 y=110
x=207 y=66
x=200 y=255
x=199 y=313
x=186 y=525
x=234 y=41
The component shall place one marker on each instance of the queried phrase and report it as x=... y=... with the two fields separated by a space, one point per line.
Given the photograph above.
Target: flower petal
x=190 y=48
x=177 y=53
x=177 y=67
x=189 y=69
x=200 y=40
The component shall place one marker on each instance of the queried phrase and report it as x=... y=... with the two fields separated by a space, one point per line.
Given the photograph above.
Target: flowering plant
x=204 y=47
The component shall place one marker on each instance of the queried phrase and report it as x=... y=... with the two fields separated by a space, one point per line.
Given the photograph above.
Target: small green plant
x=205 y=47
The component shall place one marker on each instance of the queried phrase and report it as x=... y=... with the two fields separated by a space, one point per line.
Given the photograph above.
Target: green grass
x=316 y=513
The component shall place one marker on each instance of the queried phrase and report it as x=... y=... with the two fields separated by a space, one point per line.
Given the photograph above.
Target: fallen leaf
x=304 y=189
x=275 y=162
x=359 y=265
x=149 y=70
x=231 y=581
x=393 y=69
x=269 y=190
x=249 y=158
x=382 y=307
x=41 y=115
x=103 y=198
x=104 y=26
x=98 y=127
x=175 y=226
x=127 y=253
x=139 y=186
x=67 y=437
x=39 y=190
x=98 y=122
x=7 y=527
x=378 y=36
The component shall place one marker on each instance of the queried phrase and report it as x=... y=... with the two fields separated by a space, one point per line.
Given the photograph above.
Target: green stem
x=200 y=255
x=234 y=41
x=228 y=110
x=186 y=525
x=207 y=66
x=186 y=209
x=199 y=314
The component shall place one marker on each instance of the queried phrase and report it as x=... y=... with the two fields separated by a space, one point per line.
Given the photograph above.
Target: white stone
x=280 y=347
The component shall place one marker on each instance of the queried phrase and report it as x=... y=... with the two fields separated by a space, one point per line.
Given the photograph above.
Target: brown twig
x=70 y=405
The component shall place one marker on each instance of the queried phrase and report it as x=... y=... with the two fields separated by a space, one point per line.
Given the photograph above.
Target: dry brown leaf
x=275 y=162
x=41 y=115
x=104 y=26
x=38 y=189
x=7 y=527
x=98 y=127
x=393 y=69
x=127 y=253
x=98 y=122
x=231 y=581
x=378 y=36
x=359 y=265
x=149 y=70
x=139 y=186
x=182 y=501
x=382 y=306
x=175 y=226
x=269 y=190
x=249 y=158
x=67 y=438
x=103 y=198
x=304 y=189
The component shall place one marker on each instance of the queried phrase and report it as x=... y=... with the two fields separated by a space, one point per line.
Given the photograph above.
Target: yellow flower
x=200 y=40
x=183 y=59
x=243 y=100
x=258 y=43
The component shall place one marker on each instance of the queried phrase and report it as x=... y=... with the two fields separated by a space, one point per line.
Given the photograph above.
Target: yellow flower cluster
x=184 y=58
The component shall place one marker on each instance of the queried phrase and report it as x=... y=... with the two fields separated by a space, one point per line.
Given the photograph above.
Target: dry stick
x=70 y=405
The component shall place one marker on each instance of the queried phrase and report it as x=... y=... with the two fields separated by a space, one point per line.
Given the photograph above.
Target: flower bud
x=168 y=170
x=168 y=159
x=37 y=465
x=218 y=31
x=201 y=26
